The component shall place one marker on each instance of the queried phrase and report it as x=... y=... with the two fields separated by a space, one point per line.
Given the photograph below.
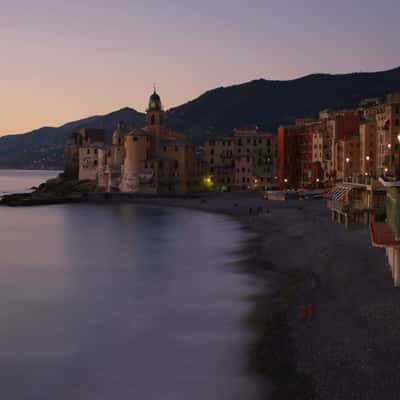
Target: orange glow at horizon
x=63 y=61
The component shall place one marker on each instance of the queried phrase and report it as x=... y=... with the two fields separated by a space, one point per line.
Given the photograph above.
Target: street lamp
x=389 y=146
x=368 y=158
x=347 y=160
x=285 y=180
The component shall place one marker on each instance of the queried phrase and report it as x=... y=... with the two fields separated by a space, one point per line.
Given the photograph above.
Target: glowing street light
x=285 y=180
x=389 y=146
x=368 y=158
x=347 y=160
x=317 y=180
x=386 y=170
x=398 y=137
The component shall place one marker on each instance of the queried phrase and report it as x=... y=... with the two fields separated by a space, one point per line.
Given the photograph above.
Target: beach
x=350 y=348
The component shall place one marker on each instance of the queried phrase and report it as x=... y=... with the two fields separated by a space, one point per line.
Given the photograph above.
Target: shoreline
x=349 y=349
x=270 y=353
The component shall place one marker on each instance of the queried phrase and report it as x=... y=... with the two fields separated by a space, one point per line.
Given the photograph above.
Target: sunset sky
x=64 y=60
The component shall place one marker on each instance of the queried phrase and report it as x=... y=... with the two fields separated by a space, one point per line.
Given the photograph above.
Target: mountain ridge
x=259 y=102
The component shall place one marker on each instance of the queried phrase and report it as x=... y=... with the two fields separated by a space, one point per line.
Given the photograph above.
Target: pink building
x=244 y=175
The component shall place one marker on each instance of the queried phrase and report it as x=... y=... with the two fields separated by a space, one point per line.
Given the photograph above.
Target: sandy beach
x=350 y=348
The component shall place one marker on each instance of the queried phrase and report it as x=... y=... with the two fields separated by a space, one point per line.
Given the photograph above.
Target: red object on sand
x=303 y=312
x=311 y=310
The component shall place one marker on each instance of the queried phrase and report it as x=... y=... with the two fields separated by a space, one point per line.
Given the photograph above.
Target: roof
x=137 y=132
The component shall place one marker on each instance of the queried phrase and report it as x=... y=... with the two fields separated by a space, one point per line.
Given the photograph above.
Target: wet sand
x=350 y=348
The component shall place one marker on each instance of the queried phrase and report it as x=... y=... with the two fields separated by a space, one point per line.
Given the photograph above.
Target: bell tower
x=155 y=114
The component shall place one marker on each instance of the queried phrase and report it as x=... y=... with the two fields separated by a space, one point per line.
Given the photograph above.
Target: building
x=220 y=154
x=245 y=160
x=261 y=148
x=388 y=131
x=301 y=154
x=152 y=159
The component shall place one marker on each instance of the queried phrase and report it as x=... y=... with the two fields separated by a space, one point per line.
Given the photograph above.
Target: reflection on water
x=119 y=301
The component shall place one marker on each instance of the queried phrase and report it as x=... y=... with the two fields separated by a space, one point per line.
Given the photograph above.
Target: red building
x=295 y=157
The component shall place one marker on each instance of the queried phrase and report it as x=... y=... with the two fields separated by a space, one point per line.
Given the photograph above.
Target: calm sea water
x=117 y=302
x=15 y=181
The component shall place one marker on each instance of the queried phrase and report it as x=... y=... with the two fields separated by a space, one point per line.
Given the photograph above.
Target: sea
x=120 y=301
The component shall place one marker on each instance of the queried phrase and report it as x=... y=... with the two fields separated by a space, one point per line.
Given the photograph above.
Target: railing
x=359 y=180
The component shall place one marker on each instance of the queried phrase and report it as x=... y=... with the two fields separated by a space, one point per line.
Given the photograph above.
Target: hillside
x=44 y=148
x=270 y=103
x=261 y=102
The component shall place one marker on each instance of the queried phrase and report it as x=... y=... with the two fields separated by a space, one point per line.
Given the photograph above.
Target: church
x=152 y=159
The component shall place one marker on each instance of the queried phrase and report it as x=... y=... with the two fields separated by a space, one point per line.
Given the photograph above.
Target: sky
x=65 y=60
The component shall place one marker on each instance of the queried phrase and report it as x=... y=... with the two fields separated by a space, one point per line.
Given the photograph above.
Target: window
x=396 y=122
x=152 y=120
x=212 y=151
x=176 y=148
x=88 y=151
x=212 y=161
x=95 y=162
x=95 y=151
